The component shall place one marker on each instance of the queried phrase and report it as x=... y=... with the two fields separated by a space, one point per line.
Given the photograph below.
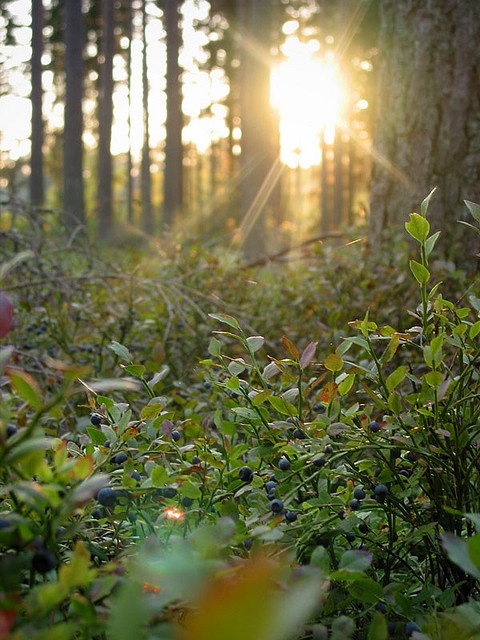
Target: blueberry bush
x=191 y=450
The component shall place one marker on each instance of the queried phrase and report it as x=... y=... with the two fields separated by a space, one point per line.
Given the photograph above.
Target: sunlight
x=307 y=93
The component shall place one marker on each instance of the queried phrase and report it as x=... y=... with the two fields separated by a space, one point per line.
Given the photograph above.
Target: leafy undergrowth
x=190 y=450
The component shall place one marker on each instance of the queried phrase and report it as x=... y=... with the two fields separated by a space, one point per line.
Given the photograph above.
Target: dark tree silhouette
x=73 y=188
x=36 y=159
x=105 y=117
x=147 y=217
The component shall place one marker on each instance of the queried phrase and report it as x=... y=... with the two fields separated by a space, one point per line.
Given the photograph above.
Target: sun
x=308 y=96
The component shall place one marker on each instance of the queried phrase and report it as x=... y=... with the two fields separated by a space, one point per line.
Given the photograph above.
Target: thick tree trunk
x=73 y=191
x=428 y=119
x=36 y=160
x=105 y=117
x=173 y=172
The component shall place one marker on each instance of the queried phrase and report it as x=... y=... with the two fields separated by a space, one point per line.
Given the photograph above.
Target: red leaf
x=6 y=314
x=290 y=347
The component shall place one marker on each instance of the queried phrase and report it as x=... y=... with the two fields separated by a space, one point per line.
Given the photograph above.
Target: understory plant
x=313 y=493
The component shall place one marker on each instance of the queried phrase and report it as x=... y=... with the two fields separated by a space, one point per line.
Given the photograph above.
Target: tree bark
x=36 y=160
x=73 y=187
x=173 y=169
x=105 y=117
x=428 y=119
x=147 y=217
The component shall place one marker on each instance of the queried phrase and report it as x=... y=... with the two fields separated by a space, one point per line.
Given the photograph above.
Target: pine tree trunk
x=428 y=119
x=36 y=160
x=73 y=189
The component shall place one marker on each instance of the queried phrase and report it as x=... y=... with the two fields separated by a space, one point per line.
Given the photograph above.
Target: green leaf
x=77 y=572
x=159 y=476
x=26 y=386
x=122 y=352
x=433 y=379
x=420 y=272
x=333 y=362
x=395 y=378
x=255 y=342
x=214 y=347
x=190 y=490
x=458 y=552
x=282 y=406
x=418 y=227
x=366 y=590
x=430 y=243
x=345 y=385
x=474 y=209
x=235 y=367
x=378 y=629
x=474 y=330
x=136 y=370
x=426 y=202
x=395 y=403
x=355 y=560
x=96 y=436
x=225 y=319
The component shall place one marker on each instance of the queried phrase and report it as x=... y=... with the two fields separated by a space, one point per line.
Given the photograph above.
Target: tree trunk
x=173 y=178
x=260 y=166
x=105 y=117
x=36 y=159
x=73 y=188
x=428 y=119
x=147 y=218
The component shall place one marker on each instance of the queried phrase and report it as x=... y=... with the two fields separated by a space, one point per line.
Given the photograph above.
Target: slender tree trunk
x=260 y=165
x=428 y=119
x=173 y=173
x=36 y=161
x=147 y=217
x=129 y=31
x=105 y=117
x=73 y=188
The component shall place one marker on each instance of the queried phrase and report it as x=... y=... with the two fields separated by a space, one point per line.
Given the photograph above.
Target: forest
x=239 y=319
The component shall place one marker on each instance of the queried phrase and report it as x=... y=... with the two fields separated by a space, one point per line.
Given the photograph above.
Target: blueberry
x=410 y=456
x=320 y=462
x=107 y=444
x=374 y=426
x=381 y=606
x=136 y=476
x=169 y=492
x=299 y=434
x=350 y=536
x=319 y=408
x=328 y=448
x=11 y=430
x=245 y=474
x=270 y=486
x=276 y=505
x=98 y=514
x=95 y=419
x=290 y=516
x=362 y=527
x=132 y=516
x=176 y=435
x=248 y=543
x=396 y=452
x=284 y=464
x=44 y=561
x=410 y=627
x=187 y=501
x=196 y=460
x=359 y=493
x=404 y=473
x=4 y=523
x=107 y=497
x=341 y=514
x=120 y=458
x=381 y=490
x=355 y=504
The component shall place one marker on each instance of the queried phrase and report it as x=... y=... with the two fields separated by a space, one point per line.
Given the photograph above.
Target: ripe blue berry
x=107 y=497
x=374 y=426
x=98 y=514
x=355 y=504
x=169 y=492
x=245 y=474
x=350 y=536
x=44 y=561
x=341 y=514
x=328 y=448
x=290 y=516
x=359 y=493
x=276 y=505
x=320 y=462
x=176 y=435
x=95 y=419
x=362 y=527
x=120 y=458
x=196 y=460
x=11 y=430
x=381 y=606
x=410 y=627
x=136 y=476
x=381 y=490
x=284 y=464
x=187 y=501
x=299 y=434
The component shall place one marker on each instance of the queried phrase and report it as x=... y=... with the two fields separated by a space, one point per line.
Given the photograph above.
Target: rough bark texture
x=36 y=160
x=73 y=192
x=173 y=178
x=105 y=117
x=428 y=118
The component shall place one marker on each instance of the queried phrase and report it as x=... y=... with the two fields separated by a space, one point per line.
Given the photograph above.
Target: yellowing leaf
x=333 y=362
x=26 y=386
x=77 y=572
